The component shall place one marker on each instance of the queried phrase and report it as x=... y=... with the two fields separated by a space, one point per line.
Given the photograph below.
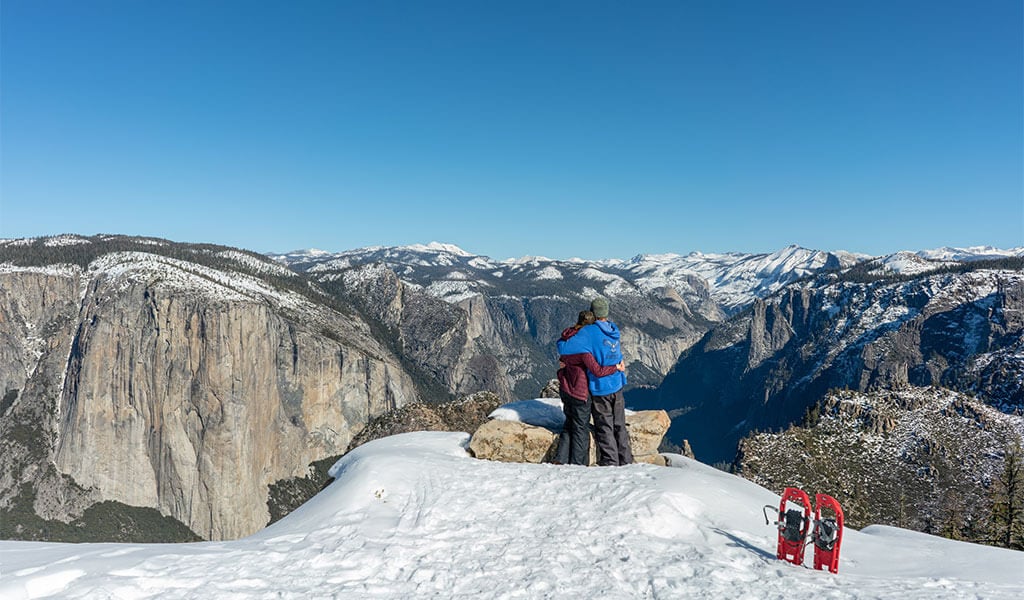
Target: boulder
x=652 y=459
x=512 y=441
x=646 y=430
x=550 y=390
x=686 y=450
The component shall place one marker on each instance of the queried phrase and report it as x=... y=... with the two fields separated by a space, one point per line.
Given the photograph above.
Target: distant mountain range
x=734 y=279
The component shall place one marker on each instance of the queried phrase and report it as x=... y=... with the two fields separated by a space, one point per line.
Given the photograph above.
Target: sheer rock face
x=34 y=310
x=158 y=395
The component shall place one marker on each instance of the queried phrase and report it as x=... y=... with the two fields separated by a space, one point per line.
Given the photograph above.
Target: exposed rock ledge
x=527 y=431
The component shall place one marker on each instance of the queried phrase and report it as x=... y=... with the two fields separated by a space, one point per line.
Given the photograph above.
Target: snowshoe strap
x=825 y=534
x=793 y=527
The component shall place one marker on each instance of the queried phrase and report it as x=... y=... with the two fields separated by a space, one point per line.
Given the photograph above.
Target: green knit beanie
x=599 y=306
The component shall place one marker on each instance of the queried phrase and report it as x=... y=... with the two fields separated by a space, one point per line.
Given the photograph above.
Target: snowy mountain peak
x=527 y=261
x=310 y=252
x=792 y=250
x=971 y=253
x=437 y=248
x=907 y=263
x=649 y=259
x=735 y=278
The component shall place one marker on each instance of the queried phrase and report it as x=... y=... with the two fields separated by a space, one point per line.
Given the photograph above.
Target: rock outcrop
x=646 y=430
x=512 y=441
x=465 y=414
x=516 y=441
x=918 y=458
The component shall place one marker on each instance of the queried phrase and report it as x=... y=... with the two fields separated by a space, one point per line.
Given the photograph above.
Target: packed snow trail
x=415 y=516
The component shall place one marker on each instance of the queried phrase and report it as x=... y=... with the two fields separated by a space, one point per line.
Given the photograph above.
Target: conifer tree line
x=1007 y=523
x=871 y=271
x=1004 y=525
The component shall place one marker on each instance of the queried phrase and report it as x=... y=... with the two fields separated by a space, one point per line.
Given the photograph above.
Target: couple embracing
x=590 y=382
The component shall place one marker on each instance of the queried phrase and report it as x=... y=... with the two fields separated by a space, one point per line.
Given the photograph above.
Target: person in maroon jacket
x=574 y=441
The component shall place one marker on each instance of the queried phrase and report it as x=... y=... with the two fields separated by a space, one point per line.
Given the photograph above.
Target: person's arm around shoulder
x=596 y=369
x=576 y=344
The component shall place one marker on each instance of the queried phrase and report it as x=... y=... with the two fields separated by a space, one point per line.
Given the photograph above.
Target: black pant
x=574 y=441
x=610 y=431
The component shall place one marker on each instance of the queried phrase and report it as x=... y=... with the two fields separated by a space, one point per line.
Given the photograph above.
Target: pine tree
x=901 y=519
x=952 y=523
x=1008 y=501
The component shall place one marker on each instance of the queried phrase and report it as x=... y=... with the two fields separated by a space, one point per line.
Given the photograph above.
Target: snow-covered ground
x=413 y=516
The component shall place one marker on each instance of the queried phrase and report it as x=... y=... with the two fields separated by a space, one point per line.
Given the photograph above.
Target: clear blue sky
x=593 y=128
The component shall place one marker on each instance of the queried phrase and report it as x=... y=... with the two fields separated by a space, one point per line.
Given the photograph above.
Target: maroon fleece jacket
x=572 y=379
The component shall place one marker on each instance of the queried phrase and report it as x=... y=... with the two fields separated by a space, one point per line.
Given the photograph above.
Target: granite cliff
x=184 y=385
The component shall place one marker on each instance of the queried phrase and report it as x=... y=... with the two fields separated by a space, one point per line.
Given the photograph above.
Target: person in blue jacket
x=601 y=339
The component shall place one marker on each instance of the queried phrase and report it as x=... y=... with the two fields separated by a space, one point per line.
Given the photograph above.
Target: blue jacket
x=602 y=340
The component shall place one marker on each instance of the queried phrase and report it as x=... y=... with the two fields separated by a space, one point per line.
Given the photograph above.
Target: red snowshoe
x=793 y=525
x=828 y=533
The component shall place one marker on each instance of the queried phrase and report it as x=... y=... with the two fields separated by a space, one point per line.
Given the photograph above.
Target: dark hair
x=586 y=318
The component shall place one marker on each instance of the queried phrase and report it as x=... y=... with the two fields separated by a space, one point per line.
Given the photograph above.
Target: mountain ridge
x=765 y=366
x=735 y=278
